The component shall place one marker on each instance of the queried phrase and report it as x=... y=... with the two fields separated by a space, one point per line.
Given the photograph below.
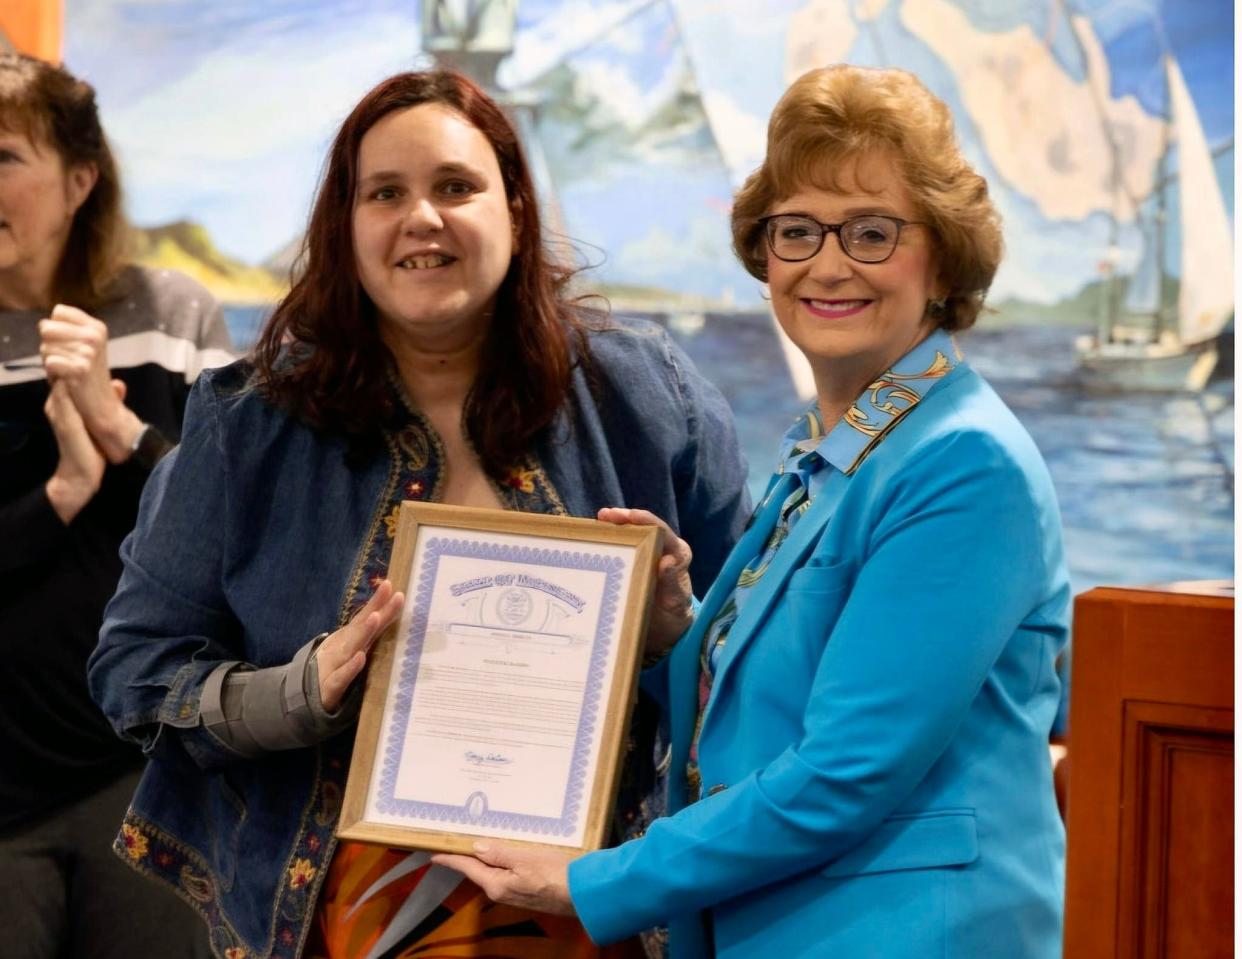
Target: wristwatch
x=149 y=447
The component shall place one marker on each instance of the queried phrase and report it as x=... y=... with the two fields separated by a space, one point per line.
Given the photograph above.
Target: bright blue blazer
x=874 y=754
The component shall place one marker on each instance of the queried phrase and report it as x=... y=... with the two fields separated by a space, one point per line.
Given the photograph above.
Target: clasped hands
x=523 y=876
x=85 y=407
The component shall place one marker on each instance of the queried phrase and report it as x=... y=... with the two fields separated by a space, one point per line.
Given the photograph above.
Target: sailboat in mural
x=1141 y=344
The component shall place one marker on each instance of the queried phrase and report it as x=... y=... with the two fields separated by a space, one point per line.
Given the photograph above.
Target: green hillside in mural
x=187 y=247
x=1084 y=309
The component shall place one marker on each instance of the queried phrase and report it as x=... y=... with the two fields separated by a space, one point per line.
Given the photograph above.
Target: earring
x=937 y=305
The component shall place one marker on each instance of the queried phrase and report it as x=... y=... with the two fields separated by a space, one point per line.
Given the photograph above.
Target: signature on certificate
x=487 y=759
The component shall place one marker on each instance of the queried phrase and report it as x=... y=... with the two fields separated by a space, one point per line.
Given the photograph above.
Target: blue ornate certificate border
x=476 y=811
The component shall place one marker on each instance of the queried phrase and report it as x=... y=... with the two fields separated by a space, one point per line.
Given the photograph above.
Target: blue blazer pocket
x=929 y=840
x=816 y=594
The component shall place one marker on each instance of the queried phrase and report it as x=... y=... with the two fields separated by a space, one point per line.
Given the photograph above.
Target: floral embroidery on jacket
x=391 y=521
x=198 y=887
x=135 y=842
x=520 y=479
x=301 y=872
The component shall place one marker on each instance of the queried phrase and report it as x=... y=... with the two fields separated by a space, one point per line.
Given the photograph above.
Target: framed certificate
x=497 y=706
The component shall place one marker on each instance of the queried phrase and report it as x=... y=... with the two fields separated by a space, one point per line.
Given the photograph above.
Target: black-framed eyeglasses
x=870 y=238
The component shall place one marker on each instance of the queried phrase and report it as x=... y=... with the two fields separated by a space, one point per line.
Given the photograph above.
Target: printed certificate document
x=498 y=705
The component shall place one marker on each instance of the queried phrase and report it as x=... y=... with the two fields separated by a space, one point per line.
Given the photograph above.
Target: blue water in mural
x=1145 y=481
x=244 y=323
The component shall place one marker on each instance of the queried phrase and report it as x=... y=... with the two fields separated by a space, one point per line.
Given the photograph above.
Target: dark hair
x=320 y=355
x=51 y=106
x=835 y=115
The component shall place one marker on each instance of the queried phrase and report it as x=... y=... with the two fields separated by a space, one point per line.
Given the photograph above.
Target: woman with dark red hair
x=428 y=351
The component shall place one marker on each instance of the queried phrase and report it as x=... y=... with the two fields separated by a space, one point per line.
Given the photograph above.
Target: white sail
x=795 y=359
x=1206 y=300
x=1143 y=295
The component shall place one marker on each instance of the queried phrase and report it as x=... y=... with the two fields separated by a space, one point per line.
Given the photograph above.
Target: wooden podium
x=1150 y=828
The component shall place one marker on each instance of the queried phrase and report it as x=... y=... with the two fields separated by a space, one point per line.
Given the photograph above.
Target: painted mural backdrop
x=1105 y=128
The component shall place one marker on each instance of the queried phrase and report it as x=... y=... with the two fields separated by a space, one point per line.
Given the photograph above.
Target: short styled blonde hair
x=831 y=117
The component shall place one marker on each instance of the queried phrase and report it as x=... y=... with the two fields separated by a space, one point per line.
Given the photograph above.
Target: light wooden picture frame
x=498 y=705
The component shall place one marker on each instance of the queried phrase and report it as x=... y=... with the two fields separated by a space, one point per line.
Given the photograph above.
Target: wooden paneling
x=1176 y=823
x=1150 y=826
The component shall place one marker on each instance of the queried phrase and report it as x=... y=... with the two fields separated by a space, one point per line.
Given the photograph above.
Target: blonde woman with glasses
x=860 y=711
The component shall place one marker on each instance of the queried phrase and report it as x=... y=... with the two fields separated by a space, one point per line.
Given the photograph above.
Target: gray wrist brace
x=252 y=711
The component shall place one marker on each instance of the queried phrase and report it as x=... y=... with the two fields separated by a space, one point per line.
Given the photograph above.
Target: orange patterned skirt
x=373 y=893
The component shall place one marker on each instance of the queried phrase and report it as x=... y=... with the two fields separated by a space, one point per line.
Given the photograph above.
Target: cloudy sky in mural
x=655 y=111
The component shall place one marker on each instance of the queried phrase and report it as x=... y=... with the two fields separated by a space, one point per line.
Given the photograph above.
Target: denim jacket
x=257 y=533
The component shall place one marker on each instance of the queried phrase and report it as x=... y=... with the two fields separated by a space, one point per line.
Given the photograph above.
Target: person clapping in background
x=97 y=359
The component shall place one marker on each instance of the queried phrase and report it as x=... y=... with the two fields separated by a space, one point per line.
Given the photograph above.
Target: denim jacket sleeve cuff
x=179 y=720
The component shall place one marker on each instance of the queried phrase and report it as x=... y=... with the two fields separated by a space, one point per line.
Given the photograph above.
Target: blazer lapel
x=748 y=547
x=789 y=557
x=684 y=662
